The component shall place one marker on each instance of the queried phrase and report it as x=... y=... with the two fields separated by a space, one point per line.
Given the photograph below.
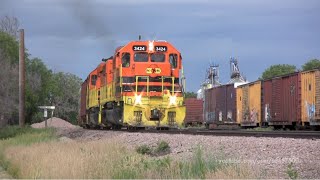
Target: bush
x=162 y=147
x=144 y=149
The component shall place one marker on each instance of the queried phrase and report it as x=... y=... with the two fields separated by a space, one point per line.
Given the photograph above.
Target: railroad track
x=283 y=134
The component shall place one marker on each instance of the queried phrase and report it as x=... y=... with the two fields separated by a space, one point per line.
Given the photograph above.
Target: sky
x=74 y=35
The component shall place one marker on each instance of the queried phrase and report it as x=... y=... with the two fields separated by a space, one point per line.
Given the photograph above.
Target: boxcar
x=220 y=105
x=209 y=105
x=249 y=104
x=194 y=111
x=281 y=99
x=310 y=98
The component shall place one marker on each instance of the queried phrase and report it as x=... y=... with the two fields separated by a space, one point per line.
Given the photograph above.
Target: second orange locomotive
x=140 y=86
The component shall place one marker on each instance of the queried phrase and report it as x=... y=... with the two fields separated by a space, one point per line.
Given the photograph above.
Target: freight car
x=310 y=98
x=220 y=106
x=271 y=102
x=140 y=86
x=194 y=112
x=281 y=100
x=291 y=101
x=249 y=104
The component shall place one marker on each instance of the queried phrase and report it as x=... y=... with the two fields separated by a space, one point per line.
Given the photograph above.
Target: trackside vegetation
x=38 y=153
x=15 y=136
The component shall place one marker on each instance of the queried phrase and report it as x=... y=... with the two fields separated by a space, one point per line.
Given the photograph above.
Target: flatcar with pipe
x=141 y=85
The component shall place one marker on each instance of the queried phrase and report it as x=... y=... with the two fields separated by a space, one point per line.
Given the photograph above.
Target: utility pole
x=22 y=72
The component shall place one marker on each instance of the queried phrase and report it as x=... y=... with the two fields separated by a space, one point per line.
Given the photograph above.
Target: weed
x=162 y=147
x=261 y=129
x=144 y=149
x=125 y=174
x=11 y=131
x=291 y=171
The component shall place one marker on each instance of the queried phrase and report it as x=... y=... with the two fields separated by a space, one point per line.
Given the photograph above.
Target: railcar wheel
x=315 y=128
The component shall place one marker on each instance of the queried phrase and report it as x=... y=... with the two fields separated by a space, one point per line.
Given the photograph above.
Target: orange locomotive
x=140 y=86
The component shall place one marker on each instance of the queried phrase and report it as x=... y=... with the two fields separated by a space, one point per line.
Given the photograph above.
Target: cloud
x=73 y=36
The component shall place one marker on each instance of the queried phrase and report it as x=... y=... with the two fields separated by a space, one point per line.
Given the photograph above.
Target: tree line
x=43 y=86
x=283 y=69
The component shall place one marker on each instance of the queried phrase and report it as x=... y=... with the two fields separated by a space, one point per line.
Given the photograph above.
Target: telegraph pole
x=22 y=72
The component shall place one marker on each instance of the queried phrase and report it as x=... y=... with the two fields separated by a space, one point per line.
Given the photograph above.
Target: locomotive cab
x=147 y=83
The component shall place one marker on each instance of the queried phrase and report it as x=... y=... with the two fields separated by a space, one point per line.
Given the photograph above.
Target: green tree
x=43 y=87
x=190 y=95
x=9 y=57
x=66 y=95
x=9 y=47
x=38 y=87
x=278 y=70
x=311 y=64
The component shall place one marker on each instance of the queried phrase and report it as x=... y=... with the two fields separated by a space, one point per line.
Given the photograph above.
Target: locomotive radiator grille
x=171 y=118
x=138 y=116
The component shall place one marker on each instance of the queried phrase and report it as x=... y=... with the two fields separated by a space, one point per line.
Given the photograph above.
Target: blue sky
x=73 y=36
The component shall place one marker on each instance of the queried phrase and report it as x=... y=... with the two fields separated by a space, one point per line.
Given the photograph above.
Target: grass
x=144 y=149
x=13 y=136
x=162 y=148
x=261 y=129
x=12 y=131
x=291 y=171
x=37 y=154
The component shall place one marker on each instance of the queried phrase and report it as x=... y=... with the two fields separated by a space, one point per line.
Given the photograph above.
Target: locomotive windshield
x=141 y=57
x=157 y=57
x=125 y=59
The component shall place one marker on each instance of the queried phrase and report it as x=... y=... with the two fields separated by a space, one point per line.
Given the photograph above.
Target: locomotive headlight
x=151 y=46
x=173 y=100
x=137 y=99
